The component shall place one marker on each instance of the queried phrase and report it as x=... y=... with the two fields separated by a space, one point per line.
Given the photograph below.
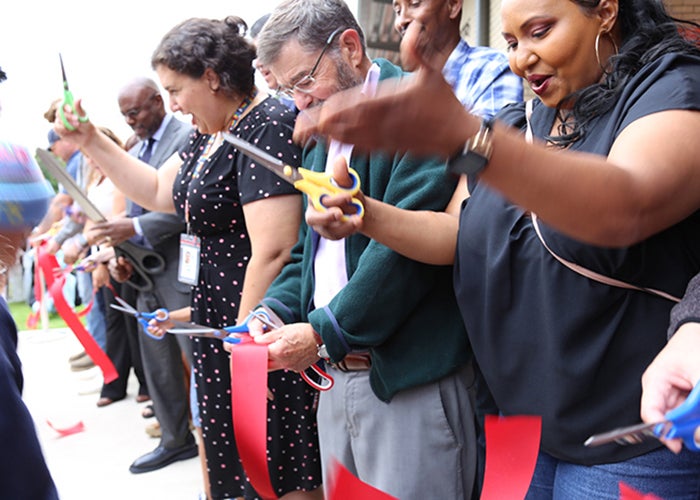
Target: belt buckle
x=354 y=362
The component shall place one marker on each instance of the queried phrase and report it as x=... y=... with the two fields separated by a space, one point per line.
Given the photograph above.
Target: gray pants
x=420 y=445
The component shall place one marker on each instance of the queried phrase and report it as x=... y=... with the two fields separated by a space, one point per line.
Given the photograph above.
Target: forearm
x=399 y=229
x=134 y=178
x=615 y=201
x=260 y=273
x=182 y=314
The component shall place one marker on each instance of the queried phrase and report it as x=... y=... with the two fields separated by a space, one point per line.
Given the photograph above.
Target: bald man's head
x=142 y=106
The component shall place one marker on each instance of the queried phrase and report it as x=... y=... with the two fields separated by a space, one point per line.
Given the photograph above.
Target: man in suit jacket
x=160 y=136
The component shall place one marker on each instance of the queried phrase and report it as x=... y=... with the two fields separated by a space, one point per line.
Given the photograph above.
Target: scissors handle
x=144 y=261
x=160 y=315
x=683 y=421
x=317 y=185
x=326 y=382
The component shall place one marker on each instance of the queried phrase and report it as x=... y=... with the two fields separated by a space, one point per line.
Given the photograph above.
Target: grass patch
x=20 y=312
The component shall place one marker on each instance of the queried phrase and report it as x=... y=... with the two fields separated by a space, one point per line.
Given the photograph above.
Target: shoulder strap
x=583 y=271
x=596 y=276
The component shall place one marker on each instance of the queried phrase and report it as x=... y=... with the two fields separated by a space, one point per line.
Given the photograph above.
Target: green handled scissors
x=68 y=100
x=316 y=185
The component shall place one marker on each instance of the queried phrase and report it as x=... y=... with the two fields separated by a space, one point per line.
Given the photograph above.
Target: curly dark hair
x=647 y=32
x=197 y=44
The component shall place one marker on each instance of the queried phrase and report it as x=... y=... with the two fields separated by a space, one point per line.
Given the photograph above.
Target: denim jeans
x=659 y=472
x=95 y=319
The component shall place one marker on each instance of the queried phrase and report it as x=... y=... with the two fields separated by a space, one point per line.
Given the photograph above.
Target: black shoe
x=161 y=456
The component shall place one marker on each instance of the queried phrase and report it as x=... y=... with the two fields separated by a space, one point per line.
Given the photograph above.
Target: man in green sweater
x=387 y=327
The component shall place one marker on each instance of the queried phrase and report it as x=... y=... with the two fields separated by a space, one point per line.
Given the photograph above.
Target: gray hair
x=311 y=22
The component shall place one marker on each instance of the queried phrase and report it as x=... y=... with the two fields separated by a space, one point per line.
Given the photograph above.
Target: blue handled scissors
x=68 y=100
x=316 y=185
x=159 y=315
x=236 y=334
x=681 y=422
x=230 y=334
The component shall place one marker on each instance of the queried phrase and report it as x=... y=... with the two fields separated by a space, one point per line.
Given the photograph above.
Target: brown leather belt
x=354 y=362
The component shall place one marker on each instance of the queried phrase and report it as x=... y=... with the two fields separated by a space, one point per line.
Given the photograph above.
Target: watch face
x=469 y=163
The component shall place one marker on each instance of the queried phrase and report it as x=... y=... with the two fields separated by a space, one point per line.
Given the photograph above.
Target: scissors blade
x=125 y=310
x=286 y=172
x=63 y=72
x=632 y=434
x=196 y=330
x=47 y=160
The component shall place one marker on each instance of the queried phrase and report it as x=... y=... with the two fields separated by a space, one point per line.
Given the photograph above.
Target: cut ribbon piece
x=249 y=412
x=67 y=431
x=345 y=486
x=47 y=263
x=512 y=446
x=629 y=493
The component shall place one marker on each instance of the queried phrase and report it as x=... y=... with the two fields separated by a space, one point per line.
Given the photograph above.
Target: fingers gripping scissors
x=681 y=422
x=237 y=334
x=68 y=100
x=316 y=185
x=159 y=315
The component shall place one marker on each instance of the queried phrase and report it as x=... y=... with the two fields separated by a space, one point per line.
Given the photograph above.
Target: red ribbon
x=33 y=318
x=512 y=446
x=67 y=431
x=629 y=493
x=47 y=263
x=249 y=412
x=345 y=486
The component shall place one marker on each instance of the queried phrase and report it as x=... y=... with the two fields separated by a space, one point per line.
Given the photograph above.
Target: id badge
x=188 y=268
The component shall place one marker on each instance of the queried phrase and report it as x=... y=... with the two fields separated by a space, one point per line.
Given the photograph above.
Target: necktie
x=148 y=150
x=145 y=156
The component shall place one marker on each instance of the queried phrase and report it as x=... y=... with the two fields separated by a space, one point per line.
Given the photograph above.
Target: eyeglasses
x=134 y=112
x=306 y=84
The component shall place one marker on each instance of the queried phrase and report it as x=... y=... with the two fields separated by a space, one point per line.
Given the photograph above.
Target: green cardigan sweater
x=402 y=311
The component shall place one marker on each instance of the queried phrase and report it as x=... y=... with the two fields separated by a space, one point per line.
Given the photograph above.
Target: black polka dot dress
x=214 y=197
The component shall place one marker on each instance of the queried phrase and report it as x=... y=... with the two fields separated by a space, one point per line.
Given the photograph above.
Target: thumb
x=79 y=111
x=341 y=176
x=420 y=47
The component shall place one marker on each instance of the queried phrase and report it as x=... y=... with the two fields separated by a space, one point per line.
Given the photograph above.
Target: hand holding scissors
x=237 y=334
x=681 y=422
x=69 y=101
x=160 y=315
x=316 y=185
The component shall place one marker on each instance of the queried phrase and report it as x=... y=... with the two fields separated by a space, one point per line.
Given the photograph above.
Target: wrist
x=475 y=153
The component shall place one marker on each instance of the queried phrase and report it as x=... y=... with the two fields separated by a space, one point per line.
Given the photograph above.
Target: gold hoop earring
x=597 y=49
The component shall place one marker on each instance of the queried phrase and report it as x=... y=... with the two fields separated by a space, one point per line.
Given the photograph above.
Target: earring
x=597 y=49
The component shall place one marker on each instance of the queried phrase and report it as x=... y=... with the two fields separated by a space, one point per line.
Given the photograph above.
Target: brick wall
x=684 y=9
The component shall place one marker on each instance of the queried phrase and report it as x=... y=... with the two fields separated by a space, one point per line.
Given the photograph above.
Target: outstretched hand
x=82 y=130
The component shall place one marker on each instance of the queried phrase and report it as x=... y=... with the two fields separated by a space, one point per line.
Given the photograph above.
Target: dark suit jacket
x=163 y=230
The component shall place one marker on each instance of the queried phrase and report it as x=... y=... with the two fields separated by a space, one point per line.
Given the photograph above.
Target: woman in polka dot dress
x=246 y=219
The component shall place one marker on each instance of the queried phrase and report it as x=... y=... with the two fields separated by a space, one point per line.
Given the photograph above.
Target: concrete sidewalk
x=93 y=464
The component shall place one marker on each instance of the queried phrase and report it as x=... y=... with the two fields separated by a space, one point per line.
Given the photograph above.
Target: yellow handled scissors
x=316 y=185
x=68 y=101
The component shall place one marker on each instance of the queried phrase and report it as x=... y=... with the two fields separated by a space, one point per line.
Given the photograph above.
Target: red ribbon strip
x=512 y=445
x=629 y=493
x=33 y=318
x=67 y=431
x=249 y=412
x=345 y=486
x=47 y=263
